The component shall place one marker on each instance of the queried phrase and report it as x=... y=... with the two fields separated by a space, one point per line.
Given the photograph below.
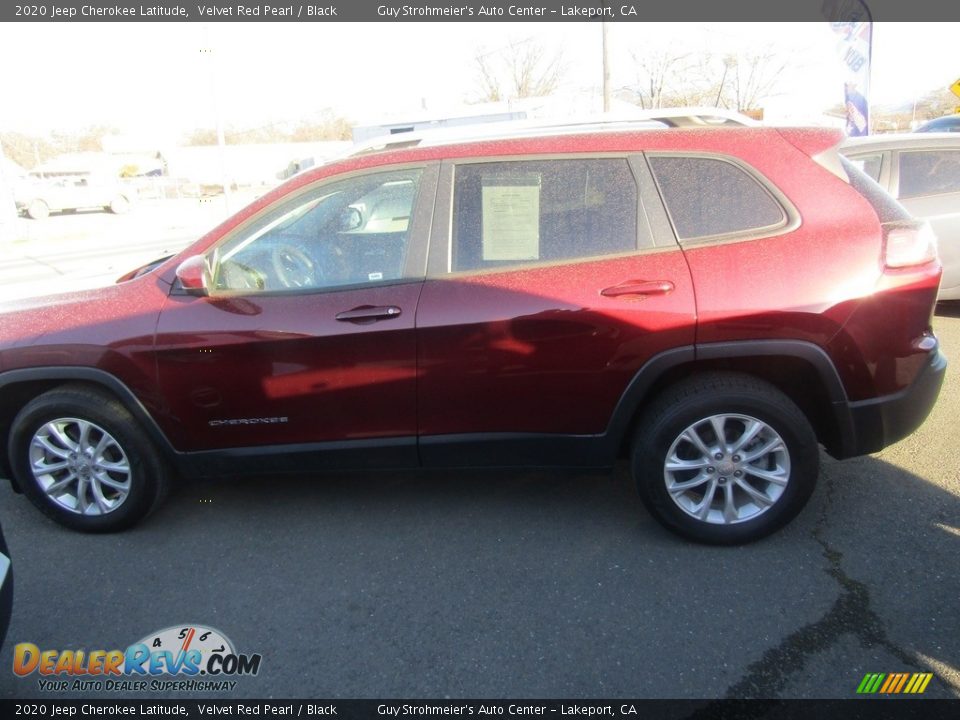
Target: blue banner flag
x=854 y=49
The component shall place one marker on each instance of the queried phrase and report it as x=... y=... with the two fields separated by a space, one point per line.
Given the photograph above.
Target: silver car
x=923 y=172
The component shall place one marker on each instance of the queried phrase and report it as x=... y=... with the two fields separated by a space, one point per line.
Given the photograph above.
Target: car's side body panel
x=540 y=349
x=110 y=329
x=282 y=369
x=522 y=365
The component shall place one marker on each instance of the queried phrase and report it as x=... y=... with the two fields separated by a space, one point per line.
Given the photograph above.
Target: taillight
x=908 y=243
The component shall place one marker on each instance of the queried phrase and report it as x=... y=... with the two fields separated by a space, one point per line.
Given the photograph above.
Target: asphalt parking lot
x=431 y=585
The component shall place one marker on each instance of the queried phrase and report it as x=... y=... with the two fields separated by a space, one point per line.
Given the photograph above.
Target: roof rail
x=639 y=120
x=491 y=131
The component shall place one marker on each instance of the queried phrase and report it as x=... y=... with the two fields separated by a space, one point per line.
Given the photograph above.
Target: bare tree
x=521 y=69
x=749 y=78
x=659 y=75
x=487 y=79
x=29 y=150
x=936 y=103
x=667 y=78
x=926 y=106
x=324 y=124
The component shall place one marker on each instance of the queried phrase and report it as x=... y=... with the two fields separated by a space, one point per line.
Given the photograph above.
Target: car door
x=546 y=293
x=305 y=341
x=928 y=185
x=59 y=192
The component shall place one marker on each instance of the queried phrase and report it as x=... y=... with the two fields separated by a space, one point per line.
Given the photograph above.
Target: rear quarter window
x=710 y=197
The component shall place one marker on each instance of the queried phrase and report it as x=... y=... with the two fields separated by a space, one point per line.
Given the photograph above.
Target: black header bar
x=400 y=11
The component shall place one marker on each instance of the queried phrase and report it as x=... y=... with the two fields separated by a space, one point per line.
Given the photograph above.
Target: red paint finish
x=546 y=349
x=288 y=367
x=875 y=351
x=824 y=282
x=802 y=285
x=108 y=328
x=541 y=349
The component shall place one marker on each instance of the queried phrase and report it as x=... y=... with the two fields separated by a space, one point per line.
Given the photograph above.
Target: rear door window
x=542 y=211
x=709 y=197
x=929 y=172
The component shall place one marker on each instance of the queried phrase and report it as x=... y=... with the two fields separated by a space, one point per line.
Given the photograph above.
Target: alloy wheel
x=80 y=466
x=727 y=469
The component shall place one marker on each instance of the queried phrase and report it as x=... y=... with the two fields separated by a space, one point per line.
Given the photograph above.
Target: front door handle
x=638 y=288
x=365 y=314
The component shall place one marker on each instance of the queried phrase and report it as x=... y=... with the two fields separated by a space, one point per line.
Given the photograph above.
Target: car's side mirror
x=350 y=219
x=192 y=274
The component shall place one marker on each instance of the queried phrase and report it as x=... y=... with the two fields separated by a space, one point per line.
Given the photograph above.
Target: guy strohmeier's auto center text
x=481 y=12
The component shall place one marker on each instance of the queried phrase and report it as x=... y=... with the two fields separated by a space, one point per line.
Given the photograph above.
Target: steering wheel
x=237 y=276
x=294 y=268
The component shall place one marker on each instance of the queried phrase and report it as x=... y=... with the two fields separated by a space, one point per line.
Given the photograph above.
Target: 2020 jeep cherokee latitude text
x=714 y=304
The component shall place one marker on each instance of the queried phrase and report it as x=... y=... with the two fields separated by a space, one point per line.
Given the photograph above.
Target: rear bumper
x=883 y=421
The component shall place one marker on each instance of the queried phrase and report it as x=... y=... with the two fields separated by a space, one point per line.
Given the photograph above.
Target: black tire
x=743 y=398
x=38 y=209
x=147 y=477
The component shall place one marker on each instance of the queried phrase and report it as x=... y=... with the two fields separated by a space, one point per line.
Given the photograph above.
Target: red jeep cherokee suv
x=713 y=303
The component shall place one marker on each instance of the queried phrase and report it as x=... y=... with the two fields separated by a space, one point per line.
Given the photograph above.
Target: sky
x=155 y=78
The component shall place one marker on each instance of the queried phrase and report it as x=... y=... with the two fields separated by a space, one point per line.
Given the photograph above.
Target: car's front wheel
x=38 y=209
x=82 y=459
x=725 y=459
x=119 y=205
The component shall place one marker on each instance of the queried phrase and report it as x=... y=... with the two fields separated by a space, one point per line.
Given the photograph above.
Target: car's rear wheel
x=82 y=459
x=119 y=205
x=38 y=209
x=725 y=459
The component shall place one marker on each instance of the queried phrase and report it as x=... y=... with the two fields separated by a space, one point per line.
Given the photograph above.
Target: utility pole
x=606 y=67
x=728 y=62
x=215 y=94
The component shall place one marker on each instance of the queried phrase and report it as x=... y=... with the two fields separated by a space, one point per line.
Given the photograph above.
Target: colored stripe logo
x=894 y=683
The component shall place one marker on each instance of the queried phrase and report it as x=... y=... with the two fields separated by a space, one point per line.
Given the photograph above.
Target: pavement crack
x=850 y=614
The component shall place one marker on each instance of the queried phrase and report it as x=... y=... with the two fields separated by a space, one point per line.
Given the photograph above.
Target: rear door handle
x=365 y=314
x=638 y=288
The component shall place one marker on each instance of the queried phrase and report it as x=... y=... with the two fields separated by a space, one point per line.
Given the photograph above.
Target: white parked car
x=921 y=170
x=39 y=195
